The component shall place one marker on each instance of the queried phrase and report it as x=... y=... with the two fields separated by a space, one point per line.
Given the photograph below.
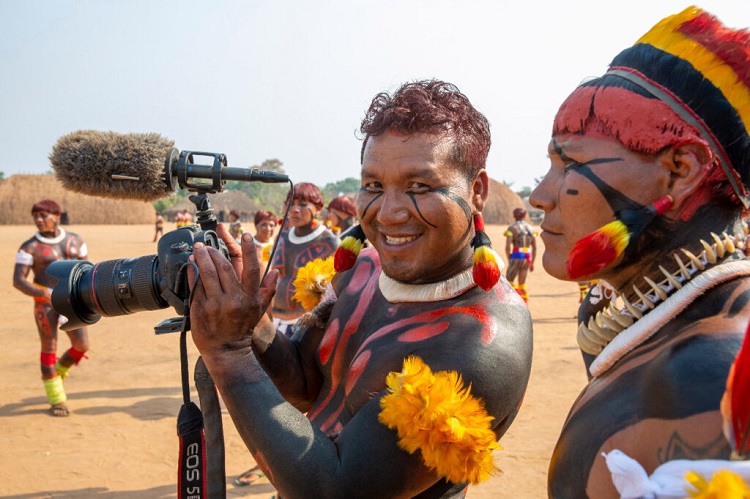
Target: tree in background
x=348 y=186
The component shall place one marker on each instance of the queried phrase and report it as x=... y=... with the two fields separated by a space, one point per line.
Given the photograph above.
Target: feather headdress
x=687 y=78
x=701 y=70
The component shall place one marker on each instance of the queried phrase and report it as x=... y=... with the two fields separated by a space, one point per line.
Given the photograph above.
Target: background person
x=306 y=240
x=235 y=225
x=650 y=166
x=159 y=226
x=408 y=317
x=50 y=243
x=520 y=250
x=265 y=225
x=341 y=214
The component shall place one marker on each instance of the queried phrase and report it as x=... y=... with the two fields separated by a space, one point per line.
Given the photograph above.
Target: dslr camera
x=85 y=292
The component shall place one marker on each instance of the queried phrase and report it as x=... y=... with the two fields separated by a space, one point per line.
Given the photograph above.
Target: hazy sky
x=292 y=79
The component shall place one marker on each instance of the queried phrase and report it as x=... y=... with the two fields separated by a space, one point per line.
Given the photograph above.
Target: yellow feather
x=265 y=255
x=665 y=36
x=724 y=483
x=311 y=281
x=435 y=414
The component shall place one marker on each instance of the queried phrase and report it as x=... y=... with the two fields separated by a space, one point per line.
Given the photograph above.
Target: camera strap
x=191 y=483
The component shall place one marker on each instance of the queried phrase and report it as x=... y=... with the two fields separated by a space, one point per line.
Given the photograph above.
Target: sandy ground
x=120 y=441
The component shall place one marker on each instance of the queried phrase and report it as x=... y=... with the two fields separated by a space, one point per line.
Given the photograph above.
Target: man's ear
x=689 y=164
x=480 y=191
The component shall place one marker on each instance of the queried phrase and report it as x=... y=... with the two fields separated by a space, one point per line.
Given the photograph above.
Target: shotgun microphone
x=141 y=166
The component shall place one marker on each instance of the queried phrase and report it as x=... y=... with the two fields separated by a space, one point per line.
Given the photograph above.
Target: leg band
x=48 y=359
x=76 y=355
x=62 y=370
x=522 y=291
x=55 y=390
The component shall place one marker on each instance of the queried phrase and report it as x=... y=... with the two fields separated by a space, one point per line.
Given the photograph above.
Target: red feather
x=597 y=250
x=738 y=391
x=343 y=259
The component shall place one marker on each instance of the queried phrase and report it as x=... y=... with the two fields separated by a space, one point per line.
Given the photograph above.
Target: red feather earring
x=602 y=247
x=487 y=264
x=348 y=251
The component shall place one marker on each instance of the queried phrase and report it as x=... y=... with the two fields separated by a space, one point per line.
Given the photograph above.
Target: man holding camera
x=402 y=381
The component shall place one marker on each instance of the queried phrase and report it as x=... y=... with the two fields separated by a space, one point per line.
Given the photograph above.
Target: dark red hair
x=308 y=192
x=344 y=204
x=432 y=107
x=46 y=205
x=684 y=81
x=263 y=215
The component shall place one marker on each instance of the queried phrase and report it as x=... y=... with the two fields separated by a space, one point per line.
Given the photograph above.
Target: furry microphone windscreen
x=85 y=161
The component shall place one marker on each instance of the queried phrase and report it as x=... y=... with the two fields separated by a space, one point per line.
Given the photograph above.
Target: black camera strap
x=191 y=483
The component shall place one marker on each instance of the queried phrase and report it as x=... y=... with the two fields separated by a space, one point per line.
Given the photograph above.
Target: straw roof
x=501 y=203
x=18 y=193
x=222 y=203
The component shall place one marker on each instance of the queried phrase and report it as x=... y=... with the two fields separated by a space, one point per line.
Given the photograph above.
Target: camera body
x=85 y=292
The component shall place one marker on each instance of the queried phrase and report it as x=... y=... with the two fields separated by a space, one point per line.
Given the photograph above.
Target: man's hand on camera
x=228 y=300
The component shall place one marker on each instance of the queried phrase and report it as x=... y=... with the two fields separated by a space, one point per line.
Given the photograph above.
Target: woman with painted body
x=49 y=244
x=649 y=171
x=305 y=241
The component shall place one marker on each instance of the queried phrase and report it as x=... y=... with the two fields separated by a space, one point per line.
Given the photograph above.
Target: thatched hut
x=501 y=203
x=222 y=203
x=18 y=193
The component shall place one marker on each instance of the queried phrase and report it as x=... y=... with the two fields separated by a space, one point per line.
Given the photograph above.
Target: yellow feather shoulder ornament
x=311 y=281
x=265 y=255
x=435 y=414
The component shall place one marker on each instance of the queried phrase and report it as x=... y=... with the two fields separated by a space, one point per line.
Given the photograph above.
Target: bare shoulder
x=493 y=358
x=28 y=245
x=699 y=346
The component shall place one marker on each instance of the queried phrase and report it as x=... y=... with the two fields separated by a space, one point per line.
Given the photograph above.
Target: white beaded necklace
x=399 y=292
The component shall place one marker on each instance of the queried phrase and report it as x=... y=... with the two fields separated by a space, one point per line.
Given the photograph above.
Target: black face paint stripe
x=416 y=207
x=364 y=212
x=461 y=202
x=445 y=191
x=616 y=200
x=572 y=192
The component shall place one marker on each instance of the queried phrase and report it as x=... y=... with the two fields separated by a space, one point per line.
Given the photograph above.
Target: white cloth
x=23 y=258
x=668 y=480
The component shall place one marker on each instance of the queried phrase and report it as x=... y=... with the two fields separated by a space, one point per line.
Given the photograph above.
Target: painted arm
x=300 y=459
x=22 y=283
x=508 y=244
x=290 y=363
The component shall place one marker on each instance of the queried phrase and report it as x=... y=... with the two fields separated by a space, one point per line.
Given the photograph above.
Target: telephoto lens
x=85 y=292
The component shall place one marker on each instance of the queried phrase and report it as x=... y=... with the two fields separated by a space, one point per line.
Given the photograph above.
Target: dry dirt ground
x=120 y=440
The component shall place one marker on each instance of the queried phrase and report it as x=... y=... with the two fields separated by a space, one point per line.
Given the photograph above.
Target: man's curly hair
x=432 y=107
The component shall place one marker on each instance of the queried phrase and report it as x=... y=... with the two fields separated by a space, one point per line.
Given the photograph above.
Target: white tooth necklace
x=614 y=332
